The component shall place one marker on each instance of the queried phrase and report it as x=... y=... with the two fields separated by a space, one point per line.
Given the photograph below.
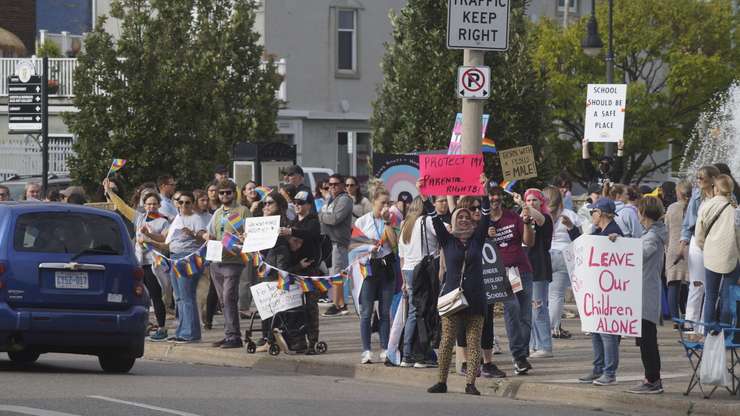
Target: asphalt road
x=67 y=385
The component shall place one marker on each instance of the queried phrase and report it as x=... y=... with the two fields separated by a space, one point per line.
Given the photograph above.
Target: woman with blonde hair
x=566 y=228
x=702 y=192
x=418 y=240
x=719 y=237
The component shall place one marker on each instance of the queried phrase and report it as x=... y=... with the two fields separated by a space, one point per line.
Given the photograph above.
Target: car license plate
x=71 y=280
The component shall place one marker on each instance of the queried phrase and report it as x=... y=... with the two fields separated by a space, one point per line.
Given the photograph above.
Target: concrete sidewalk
x=552 y=379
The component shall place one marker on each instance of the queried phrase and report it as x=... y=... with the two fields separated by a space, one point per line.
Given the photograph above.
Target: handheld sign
x=605 y=107
x=518 y=163
x=261 y=233
x=607 y=284
x=495 y=280
x=269 y=300
x=451 y=174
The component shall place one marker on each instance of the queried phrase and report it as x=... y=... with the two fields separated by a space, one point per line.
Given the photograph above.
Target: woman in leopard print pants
x=462 y=248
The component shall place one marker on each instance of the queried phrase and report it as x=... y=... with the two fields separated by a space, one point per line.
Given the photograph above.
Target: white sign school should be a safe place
x=605 y=107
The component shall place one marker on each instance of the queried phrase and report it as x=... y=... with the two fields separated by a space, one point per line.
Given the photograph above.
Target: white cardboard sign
x=605 y=107
x=214 y=251
x=269 y=300
x=261 y=233
x=607 y=284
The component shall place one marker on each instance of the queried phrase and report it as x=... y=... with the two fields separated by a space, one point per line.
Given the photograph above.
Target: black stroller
x=287 y=333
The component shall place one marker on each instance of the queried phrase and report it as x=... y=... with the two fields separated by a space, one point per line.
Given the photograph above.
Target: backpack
x=426 y=291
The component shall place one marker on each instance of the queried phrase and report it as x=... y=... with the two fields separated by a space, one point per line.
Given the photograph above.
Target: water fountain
x=716 y=136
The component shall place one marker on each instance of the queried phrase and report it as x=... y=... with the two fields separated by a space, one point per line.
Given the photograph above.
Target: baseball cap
x=73 y=190
x=405 y=196
x=220 y=169
x=302 y=196
x=604 y=205
x=294 y=170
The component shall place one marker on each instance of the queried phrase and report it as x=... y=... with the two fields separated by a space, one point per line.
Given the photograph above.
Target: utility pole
x=565 y=12
x=45 y=126
x=472 y=110
x=610 y=147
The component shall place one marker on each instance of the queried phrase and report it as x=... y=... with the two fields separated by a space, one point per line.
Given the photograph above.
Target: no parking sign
x=474 y=82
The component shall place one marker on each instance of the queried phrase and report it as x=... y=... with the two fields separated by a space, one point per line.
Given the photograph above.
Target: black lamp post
x=592 y=46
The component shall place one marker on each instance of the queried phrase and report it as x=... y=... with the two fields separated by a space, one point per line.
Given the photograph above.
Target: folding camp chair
x=695 y=349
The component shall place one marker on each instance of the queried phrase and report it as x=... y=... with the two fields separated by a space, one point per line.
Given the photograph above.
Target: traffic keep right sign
x=478 y=24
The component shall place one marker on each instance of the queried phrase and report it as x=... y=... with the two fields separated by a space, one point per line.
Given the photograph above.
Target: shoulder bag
x=454 y=301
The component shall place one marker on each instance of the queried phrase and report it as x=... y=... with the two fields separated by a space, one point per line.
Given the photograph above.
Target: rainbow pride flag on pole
x=262 y=191
x=117 y=165
x=236 y=220
x=488 y=145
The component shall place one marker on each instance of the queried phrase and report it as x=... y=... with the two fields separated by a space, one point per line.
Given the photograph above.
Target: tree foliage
x=416 y=104
x=675 y=56
x=183 y=83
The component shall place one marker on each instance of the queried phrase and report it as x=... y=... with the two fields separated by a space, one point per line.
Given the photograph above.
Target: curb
x=510 y=388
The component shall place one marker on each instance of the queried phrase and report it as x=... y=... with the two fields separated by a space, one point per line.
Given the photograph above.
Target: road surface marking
x=32 y=411
x=144 y=406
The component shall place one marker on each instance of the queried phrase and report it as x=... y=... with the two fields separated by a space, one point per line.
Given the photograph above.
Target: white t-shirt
x=413 y=252
x=156 y=226
x=179 y=241
x=560 y=237
x=373 y=228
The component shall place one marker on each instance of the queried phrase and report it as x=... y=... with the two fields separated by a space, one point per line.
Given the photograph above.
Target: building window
x=572 y=3
x=354 y=153
x=346 y=40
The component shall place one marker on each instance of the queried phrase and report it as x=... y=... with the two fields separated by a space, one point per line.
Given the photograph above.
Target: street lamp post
x=592 y=46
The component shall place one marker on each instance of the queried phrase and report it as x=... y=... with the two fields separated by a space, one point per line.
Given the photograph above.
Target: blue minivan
x=69 y=283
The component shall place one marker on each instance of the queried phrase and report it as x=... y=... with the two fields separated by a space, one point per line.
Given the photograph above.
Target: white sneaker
x=383 y=356
x=496 y=345
x=541 y=354
x=367 y=357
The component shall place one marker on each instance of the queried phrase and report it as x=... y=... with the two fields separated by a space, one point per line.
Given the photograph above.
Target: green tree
x=675 y=56
x=184 y=82
x=416 y=112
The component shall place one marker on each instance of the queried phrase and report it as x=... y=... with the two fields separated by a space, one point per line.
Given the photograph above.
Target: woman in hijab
x=462 y=247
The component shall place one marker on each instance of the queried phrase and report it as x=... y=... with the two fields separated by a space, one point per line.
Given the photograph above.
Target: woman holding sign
x=463 y=247
x=606 y=346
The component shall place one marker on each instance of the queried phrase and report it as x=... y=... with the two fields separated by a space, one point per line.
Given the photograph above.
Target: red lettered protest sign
x=607 y=284
x=451 y=174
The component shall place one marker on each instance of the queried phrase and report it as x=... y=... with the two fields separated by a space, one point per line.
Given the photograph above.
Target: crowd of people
x=431 y=246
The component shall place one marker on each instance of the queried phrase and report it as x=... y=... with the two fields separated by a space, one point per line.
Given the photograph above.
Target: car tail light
x=138 y=274
x=139 y=290
x=2 y=272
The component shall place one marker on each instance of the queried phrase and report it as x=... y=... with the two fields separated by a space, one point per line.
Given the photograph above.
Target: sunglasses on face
x=299 y=202
x=334 y=184
x=268 y=202
x=475 y=208
x=225 y=192
x=186 y=202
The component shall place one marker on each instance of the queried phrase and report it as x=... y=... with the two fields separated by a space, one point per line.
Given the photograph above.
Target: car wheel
x=116 y=363
x=24 y=357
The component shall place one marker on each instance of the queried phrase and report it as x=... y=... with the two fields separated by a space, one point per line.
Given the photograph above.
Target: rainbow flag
x=151 y=216
x=508 y=185
x=188 y=266
x=198 y=262
x=305 y=286
x=161 y=262
x=365 y=270
x=322 y=285
x=117 y=165
x=230 y=242
x=262 y=191
x=235 y=220
x=281 y=283
x=488 y=145
x=245 y=258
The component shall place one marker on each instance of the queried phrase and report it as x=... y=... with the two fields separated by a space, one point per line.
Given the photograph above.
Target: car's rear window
x=64 y=232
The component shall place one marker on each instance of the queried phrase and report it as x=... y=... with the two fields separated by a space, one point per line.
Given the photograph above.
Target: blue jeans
x=541 y=338
x=559 y=285
x=380 y=286
x=714 y=294
x=674 y=298
x=606 y=353
x=410 y=327
x=518 y=318
x=187 y=309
